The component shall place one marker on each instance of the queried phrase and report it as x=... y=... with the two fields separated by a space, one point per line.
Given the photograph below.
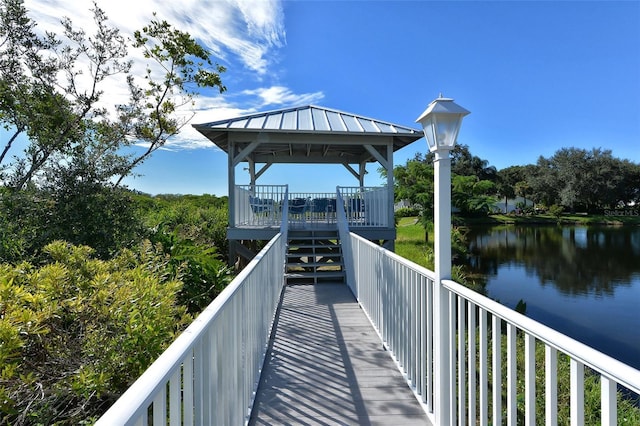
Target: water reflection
x=583 y=281
x=575 y=260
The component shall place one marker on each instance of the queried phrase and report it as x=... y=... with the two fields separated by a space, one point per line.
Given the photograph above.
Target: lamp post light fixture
x=441 y=123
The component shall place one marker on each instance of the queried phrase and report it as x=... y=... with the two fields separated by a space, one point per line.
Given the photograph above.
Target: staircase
x=314 y=257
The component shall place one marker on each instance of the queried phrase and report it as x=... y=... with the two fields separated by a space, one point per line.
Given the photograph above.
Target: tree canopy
x=52 y=89
x=573 y=178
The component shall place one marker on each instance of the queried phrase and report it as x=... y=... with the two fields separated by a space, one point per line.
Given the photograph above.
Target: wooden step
x=314 y=257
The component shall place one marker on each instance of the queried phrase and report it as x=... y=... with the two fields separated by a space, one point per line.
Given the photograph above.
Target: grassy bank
x=411 y=242
x=547 y=219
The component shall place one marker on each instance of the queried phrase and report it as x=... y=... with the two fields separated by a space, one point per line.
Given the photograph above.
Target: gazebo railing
x=258 y=205
x=366 y=206
x=262 y=206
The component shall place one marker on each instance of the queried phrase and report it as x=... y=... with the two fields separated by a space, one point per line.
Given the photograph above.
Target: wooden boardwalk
x=327 y=366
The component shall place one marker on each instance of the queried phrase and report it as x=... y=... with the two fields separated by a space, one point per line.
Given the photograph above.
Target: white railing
x=262 y=206
x=258 y=205
x=345 y=242
x=210 y=374
x=397 y=295
x=471 y=313
x=365 y=206
x=312 y=208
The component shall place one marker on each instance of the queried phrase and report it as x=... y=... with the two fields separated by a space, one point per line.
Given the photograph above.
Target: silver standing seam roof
x=308 y=134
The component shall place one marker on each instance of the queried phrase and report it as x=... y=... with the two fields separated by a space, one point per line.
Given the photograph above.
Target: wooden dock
x=327 y=366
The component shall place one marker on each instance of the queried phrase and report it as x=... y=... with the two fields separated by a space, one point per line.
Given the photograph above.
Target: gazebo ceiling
x=308 y=134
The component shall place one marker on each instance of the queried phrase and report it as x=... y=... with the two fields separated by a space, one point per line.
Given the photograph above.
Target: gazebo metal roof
x=308 y=134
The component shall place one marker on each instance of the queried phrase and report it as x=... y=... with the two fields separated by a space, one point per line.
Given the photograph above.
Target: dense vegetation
x=77 y=326
x=571 y=180
x=95 y=280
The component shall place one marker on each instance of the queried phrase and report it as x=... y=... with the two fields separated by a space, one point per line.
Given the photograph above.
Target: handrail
x=345 y=242
x=366 y=206
x=398 y=296
x=622 y=373
x=258 y=205
x=212 y=369
x=284 y=222
x=210 y=374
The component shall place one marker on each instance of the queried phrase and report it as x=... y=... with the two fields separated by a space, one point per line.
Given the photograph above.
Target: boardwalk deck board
x=327 y=366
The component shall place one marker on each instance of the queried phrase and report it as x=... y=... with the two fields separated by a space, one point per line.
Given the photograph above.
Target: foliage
x=202 y=219
x=407 y=212
x=192 y=231
x=579 y=179
x=55 y=115
x=52 y=90
x=151 y=115
x=79 y=212
x=101 y=217
x=472 y=195
x=414 y=182
x=463 y=163
x=556 y=211
x=76 y=331
x=104 y=320
x=21 y=214
x=198 y=266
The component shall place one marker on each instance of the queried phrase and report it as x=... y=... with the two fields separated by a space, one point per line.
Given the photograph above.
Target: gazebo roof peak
x=309 y=118
x=307 y=134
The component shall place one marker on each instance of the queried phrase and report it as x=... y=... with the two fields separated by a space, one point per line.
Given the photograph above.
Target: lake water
x=581 y=281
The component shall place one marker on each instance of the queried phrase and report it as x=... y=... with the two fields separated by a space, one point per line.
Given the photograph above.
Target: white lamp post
x=441 y=122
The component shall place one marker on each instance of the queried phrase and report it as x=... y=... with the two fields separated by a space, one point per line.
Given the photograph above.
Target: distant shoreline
x=544 y=219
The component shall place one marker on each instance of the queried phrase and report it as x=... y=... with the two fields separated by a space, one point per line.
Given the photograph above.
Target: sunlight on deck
x=326 y=365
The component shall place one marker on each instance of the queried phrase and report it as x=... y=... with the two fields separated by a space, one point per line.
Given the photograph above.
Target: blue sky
x=537 y=76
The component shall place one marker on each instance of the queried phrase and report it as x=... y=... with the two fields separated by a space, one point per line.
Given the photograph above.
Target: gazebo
x=307 y=135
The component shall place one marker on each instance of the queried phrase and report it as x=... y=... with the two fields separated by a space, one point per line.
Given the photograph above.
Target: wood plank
x=326 y=365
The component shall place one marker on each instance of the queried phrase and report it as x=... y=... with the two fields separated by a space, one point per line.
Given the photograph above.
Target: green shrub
x=556 y=211
x=77 y=331
x=202 y=219
x=199 y=267
x=94 y=215
x=407 y=212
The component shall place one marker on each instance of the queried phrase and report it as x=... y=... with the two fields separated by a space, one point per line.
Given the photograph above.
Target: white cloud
x=279 y=95
x=241 y=30
x=240 y=33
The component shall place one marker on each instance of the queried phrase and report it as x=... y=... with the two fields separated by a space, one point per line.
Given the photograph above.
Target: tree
x=54 y=113
x=629 y=190
x=472 y=195
x=463 y=163
x=52 y=91
x=61 y=117
x=150 y=114
x=508 y=178
x=543 y=180
x=414 y=182
x=589 y=179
